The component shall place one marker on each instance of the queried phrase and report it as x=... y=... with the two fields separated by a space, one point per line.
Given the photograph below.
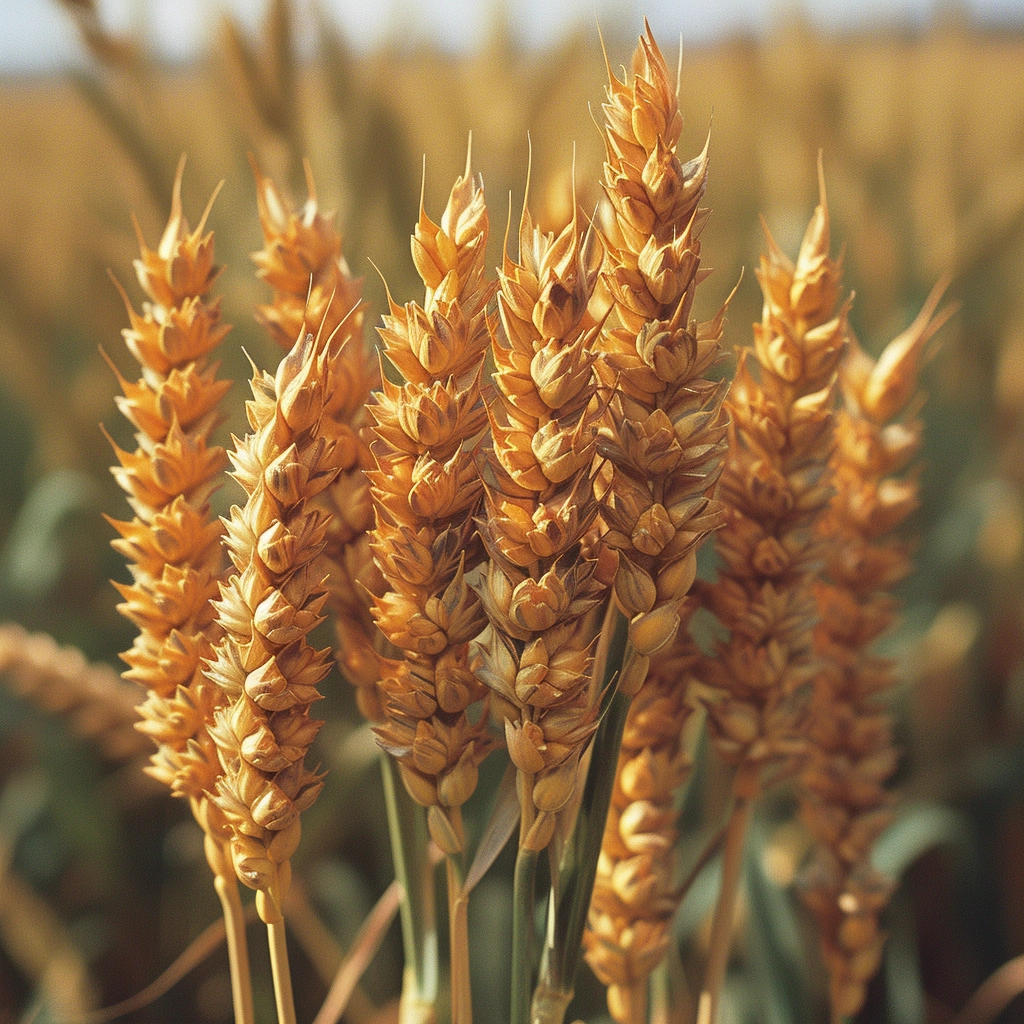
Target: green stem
x=575 y=875
x=407 y=825
x=458 y=929
x=522 y=935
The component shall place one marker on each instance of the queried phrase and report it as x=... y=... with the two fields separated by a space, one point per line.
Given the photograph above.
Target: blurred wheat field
x=923 y=143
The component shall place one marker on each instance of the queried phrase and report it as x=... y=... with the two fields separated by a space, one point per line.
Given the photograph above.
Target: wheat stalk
x=844 y=802
x=664 y=441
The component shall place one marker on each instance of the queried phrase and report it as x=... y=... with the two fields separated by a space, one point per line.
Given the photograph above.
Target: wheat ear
x=844 y=802
x=173 y=543
x=97 y=704
x=776 y=488
x=302 y=260
x=264 y=665
x=664 y=438
x=426 y=492
x=536 y=654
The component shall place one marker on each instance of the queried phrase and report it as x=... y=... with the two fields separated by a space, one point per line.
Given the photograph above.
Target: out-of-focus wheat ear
x=776 y=485
x=173 y=542
x=844 y=800
x=314 y=291
x=98 y=706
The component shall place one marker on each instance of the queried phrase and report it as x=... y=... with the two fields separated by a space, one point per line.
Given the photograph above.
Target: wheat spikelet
x=664 y=438
x=314 y=289
x=540 y=505
x=426 y=492
x=844 y=800
x=264 y=665
x=173 y=543
x=58 y=679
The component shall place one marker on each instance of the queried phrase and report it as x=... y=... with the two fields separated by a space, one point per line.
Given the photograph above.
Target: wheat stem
x=458 y=928
x=745 y=788
x=576 y=879
x=523 y=912
x=281 y=972
x=238 y=953
x=414 y=872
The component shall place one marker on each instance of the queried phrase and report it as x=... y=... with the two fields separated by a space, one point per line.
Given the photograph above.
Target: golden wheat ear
x=844 y=800
x=663 y=435
x=173 y=542
x=98 y=706
x=314 y=291
x=776 y=488
x=427 y=493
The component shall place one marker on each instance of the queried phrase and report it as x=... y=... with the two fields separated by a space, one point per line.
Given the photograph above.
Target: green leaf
x=776 y=954
x=32 y=561
x=500 y=826
x=919 y=828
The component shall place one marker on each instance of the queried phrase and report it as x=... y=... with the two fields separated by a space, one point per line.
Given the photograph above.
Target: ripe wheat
x=514 y=560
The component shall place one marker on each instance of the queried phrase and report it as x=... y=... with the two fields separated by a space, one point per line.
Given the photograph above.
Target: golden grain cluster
x=502 y=523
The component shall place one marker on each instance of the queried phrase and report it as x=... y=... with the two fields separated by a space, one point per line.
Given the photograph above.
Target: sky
x=36 y=35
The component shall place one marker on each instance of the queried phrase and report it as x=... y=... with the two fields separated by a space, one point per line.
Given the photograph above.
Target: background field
x=923 y=142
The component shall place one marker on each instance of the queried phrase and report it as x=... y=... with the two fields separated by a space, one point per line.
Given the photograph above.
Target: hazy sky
x=36 y=34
